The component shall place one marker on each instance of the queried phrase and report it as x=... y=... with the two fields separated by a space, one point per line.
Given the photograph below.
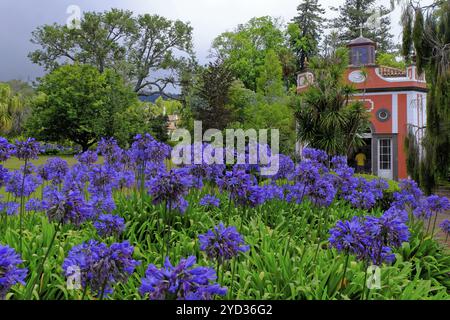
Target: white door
x=385 y=158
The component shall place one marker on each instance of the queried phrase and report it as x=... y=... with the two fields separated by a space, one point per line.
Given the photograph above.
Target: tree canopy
x=79 y=104
x=149 y=51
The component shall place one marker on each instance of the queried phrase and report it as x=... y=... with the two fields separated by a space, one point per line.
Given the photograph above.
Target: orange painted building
x=396 y=100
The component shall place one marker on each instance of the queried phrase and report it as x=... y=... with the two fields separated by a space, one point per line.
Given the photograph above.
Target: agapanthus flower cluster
x=34 y=204
x=4 y=175
x=10 y=272
x=408 y=196
x=76 y=178
x=209 y=201
x=87 y=158
x=360 y=192
x=18 y=185
x=445 y=226
x=286 y=168
x=102 y=179
x=322 y=192
x=110 y=150
x=318 y=157
x=438 y=204
x=242 y=186
x=27 y=150
x=307 y=173
x=66 y=207
x=181 y=282
x=170 y=188
x=221 y=243
x=6 y=149
x=146 y=149
x=109 y=225
x=100 y=266
x=372 y=238
x=11 y=208
x=56 y=170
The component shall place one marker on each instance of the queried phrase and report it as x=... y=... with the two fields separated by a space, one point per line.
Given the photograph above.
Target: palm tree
x=327 y=117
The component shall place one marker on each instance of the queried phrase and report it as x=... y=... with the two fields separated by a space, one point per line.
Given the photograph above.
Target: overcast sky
x=18 y=18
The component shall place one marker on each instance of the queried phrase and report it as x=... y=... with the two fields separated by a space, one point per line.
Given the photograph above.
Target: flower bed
x=131 y=228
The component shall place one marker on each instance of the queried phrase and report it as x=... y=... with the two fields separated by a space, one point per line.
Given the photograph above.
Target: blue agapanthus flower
x=209 y=201
x=10 y=272
x=316 y=155
x=390 y=229
x=102 y=203
x=170 y=188
x=100 y=266
x=445 y=226
x=409 y=195
x=181 y=282
x=18 y=185
x=222 y=243
x=110 y=150
x=34 y=205
x=11 y=208
x=66 y=207
x=103 y=179
x=109 y=225
x=360 y=192
x=146 y=149
x=438 y=204
x=322 y=192
x=4 y=175
x=56 y=170
x=307 y=173
x=349 y=237
x=87 y=158
x=27 y=149
x=6 y=149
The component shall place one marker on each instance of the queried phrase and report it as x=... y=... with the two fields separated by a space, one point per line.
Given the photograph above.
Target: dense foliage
x=139 y=48
x=427 y=31
x=327 y=117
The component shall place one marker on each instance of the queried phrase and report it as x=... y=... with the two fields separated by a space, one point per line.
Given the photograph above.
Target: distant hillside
x=152 y=98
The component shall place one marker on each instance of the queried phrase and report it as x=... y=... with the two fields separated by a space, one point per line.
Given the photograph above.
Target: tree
x=209 y=103
x=354 y=14
x=306 y=37
x=327 y=117
x=269 y=83
x=79 y=104
x=13 y=110
x=390 y=60
x=245 y=49
x=429 y=34
x=141 y=118
x=138 y=48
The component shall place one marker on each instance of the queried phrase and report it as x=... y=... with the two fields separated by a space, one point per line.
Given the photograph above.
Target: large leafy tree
x=305 y=33
x=209 y=101
x=245 y=48
x=327 y=116
x=354 y=14
x=270 y=83
x=79 y=104
x=148 y=50
x=427 y=31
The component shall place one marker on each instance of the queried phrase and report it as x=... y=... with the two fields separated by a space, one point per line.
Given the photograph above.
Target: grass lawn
x=15 y=164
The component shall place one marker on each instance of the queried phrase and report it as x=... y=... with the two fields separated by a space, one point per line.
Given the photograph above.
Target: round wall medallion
x=383 y=115
x=357 y=76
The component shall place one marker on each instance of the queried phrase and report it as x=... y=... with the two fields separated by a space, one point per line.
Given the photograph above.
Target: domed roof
x=361 y=41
